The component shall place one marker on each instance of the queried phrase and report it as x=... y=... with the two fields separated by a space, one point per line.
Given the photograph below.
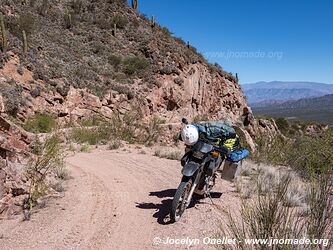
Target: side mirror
x=184 y=121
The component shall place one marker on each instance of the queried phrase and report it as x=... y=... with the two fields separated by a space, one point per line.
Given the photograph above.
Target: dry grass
x=169 y=153
x=114 y=144
x=85 y=148
x=282 y=205
x=264 y=179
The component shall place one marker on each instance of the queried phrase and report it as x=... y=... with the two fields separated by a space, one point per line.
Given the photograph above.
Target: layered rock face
x=14 y=157
x=193 y=92
x=198 y=92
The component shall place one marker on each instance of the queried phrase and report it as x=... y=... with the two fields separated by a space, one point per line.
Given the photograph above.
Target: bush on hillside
x=282 y=123
x=135 y=64
x=307 y=155
x=40 y=123
x=50 y=159
x=91 y=136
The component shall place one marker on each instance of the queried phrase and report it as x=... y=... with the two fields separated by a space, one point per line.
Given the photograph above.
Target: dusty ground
x=119 y=200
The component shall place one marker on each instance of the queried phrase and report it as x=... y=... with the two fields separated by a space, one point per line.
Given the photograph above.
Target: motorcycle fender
x=190 y=168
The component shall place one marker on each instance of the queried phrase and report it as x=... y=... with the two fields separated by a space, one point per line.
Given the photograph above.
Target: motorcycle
x=200 y=163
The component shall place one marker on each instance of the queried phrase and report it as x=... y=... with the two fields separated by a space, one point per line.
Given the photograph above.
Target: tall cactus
x=3 y=33
x=114 y=31
x=25 y=42
x=237 y=79
x=153 y=23
x=68 y=20
x=135 y=4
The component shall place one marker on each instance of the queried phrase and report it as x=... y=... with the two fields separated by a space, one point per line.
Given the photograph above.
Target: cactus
x=135 y=4
x=153 y=24
x=68 y=20
x=25 y=42
x=3 y=33
x=114 y=31
x=188 y=44
x=237 y=79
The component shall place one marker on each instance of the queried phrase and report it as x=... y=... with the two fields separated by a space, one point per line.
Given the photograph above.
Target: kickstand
x=211 y=199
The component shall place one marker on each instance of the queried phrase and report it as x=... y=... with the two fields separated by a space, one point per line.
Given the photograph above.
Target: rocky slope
x=138 y=61
x=14 y=156
x=102 y=57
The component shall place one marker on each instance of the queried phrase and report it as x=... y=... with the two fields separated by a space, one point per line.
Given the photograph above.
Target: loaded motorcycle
x=200 y=163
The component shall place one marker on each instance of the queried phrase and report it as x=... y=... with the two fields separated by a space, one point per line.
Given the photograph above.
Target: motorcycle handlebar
x=222 y=149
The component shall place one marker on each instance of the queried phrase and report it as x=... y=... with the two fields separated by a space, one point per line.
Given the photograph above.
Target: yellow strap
x=230 y=143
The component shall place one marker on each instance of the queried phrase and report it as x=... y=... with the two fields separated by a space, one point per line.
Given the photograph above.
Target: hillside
x=78 y=61
x=320 y=103
x=266 y=93
x=319 y=109
x=108 y=47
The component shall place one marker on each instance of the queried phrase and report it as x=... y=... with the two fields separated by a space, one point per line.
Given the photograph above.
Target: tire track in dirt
x=119 y=200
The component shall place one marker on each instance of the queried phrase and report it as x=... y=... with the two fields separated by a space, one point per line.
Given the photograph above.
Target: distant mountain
x=323 y=102
x=261 y=94
x=319 y=109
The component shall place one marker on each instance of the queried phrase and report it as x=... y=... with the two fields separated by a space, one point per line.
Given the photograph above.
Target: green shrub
x=40 y=123
x=133 y=65
x=85 y=148
x=311 y=156
x=308 y=155
x=152 y=131
x=92 y=121
x=120 y=21
x=25 y=22
x=92 y=136
x=166 y=32
x=282 y=123
x=77 y=6
x=49 y=159
x=115 y=61
x=123 y=89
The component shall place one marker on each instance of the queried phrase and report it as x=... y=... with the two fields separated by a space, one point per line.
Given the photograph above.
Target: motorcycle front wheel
x=180 y=198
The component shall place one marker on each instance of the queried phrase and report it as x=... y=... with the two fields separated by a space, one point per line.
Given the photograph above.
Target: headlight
x=198 y=154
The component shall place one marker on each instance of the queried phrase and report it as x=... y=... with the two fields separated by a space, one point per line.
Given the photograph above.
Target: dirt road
x=119 y=200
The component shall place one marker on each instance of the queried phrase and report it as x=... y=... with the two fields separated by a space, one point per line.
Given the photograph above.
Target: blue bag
x=238 y=155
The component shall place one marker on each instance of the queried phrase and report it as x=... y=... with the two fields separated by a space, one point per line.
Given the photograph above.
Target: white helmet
x=190 y=134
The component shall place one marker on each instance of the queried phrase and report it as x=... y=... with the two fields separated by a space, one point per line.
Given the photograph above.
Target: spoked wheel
x=180 y=198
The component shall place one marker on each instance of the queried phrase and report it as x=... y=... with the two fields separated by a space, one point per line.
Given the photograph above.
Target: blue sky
x=260 y=40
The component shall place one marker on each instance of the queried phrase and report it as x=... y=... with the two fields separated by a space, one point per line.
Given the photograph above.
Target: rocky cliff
x=14 y=157
x=111 y=51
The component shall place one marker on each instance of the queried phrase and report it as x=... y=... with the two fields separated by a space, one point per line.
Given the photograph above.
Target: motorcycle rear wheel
x=179 y=200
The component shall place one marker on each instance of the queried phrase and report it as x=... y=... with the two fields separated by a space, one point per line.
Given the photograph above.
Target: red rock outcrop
x=14 y=157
